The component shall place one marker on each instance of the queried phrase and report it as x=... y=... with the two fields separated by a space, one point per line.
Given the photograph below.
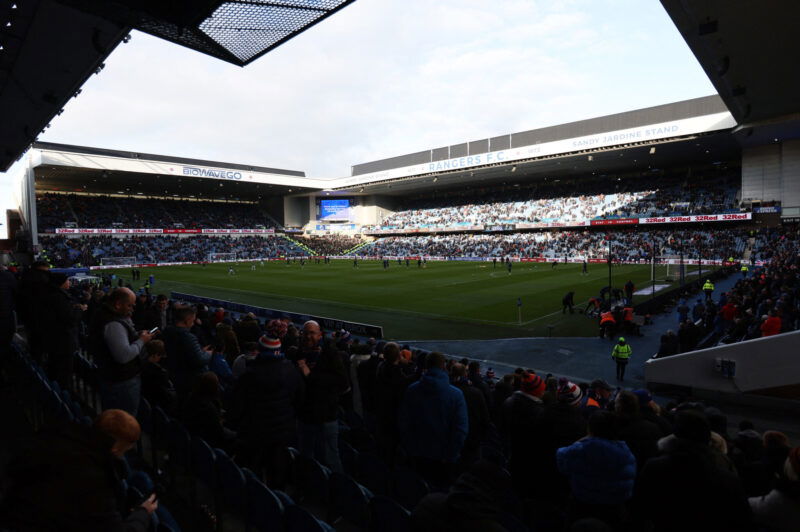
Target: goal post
x=673 y=269
x=117 y=261
x=221 y=257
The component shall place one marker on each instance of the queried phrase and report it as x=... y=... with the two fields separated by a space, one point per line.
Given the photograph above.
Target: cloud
x=381 y=79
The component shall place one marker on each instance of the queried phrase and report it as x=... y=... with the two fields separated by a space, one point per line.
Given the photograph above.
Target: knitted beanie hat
x=532 y=384
x=569 y=392
x=269 y=344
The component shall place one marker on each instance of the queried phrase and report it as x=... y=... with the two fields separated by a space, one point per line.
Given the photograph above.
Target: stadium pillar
x=609 y=267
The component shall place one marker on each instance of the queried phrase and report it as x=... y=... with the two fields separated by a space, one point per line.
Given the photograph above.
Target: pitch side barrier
x=330 y=324
x=561 y=260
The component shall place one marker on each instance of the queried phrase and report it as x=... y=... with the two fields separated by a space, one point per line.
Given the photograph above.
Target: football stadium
x=585 y=326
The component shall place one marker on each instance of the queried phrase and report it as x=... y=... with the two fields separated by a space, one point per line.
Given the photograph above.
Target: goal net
x=117 y=261
x=221 y=257
x=672 y=269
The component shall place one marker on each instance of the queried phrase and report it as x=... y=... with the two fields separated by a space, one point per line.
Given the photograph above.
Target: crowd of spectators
x=557 y=201
x=524 y=446
x=626 y=245
x=54 y=210
x=764 y=302
x=64 y=251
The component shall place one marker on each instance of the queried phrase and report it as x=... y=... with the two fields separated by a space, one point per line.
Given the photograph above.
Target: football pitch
x=443 y=301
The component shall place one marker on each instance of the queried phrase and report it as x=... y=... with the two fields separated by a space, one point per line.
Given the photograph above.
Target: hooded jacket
x=433 y=418
x=600 y=471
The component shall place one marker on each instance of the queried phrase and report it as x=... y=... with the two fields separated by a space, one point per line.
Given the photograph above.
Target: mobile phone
x=153 y=330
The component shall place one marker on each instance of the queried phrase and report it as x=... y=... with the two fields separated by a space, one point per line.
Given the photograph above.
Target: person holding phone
x=117 y=347
x=186 y=358
x=66 y=478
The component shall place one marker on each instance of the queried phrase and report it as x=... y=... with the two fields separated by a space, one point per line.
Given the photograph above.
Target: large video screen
x=334 y=209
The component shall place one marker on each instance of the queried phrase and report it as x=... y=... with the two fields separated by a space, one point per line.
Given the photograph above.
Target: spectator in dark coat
x=157 y=314
x=156 y=386
x=560 y=424
x=433 y=422
x=779 y=510
x=62 y=317
x=640 y=435
x=651 y=411
x=390 y=385
x=67 y=479
x=366 y=373
x=686 y=486
x=202 y=413
x=33 y=288
x=502 y=391
x=479 y=501
x=248 y=329
x=263 y=410
x=8 y=294
x=521 y=417
x=477 y=413
x=325 y=383
x=601 y=471
x=477 y=380
x=186 y=359
x=669 y=344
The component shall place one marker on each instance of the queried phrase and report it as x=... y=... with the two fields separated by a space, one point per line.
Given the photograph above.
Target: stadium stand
x=64 y=251
x=567 y=201
x=56 y=210
x=628 y=245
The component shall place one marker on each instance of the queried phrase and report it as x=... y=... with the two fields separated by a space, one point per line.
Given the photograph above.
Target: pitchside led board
x=334 y=210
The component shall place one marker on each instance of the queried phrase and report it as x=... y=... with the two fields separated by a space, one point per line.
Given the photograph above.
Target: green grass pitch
x=445 y=300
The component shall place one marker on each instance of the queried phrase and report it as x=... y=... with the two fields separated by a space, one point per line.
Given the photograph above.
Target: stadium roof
x=49 y=48
x=688 y=130
x=65 y=168
x=647 y=159
x=749 y=52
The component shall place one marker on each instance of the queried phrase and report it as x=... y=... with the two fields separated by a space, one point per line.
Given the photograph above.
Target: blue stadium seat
x=145 y=416
x=160 y=436
x=230 y=484
x=349 y=457
x=373 y=473
x=512 y=523
x=386 y=515
x=203 y=461
x=408 y=488
x=264 y=508
x=349 y=500
x=298 y=519
x=179 y=446
x=311 y=479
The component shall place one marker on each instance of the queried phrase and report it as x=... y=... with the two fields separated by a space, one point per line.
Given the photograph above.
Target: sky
x=384 y=78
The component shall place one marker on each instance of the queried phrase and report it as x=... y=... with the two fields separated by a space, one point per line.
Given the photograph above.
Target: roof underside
x=49 y=48
x=693 y=152
x=96 y=181
x=748 y=50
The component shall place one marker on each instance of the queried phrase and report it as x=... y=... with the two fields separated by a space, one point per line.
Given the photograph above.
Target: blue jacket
x=433 y=418
x=600 y=471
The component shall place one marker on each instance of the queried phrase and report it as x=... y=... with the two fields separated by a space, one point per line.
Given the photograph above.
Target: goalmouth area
x=441 y=301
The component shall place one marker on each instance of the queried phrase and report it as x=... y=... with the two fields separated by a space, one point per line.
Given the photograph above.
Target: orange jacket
x=607 y=317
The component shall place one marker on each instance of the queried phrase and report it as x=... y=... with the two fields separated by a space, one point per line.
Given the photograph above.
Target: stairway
x=748 y=250
x=300 y=245
x=353 y=250
x=72 y=211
